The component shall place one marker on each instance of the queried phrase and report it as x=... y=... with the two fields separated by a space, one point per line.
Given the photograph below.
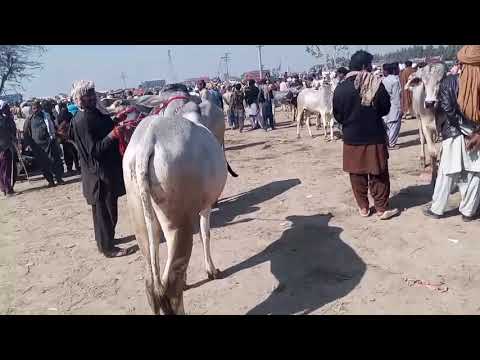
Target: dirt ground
x=287 y=237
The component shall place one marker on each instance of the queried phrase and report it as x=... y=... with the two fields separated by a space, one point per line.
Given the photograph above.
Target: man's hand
x=473 y=143
x=116 y=133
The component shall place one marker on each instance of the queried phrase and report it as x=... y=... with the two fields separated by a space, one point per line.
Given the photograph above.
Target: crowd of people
x=370 y=109
x=368 y=104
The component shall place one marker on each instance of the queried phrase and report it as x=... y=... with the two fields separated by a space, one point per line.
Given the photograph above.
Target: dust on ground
x=287 y=237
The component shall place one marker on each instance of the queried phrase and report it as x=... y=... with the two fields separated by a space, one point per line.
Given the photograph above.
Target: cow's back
x=213 y=118
x=184 y=162
x=316 y=100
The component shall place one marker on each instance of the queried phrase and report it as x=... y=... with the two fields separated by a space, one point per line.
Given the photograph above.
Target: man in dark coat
x=359 y=103
x=39 y=134
x=101 y=166
x=70 y=154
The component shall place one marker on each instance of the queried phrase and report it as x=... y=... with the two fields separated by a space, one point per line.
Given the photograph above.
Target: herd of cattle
x=175 y=168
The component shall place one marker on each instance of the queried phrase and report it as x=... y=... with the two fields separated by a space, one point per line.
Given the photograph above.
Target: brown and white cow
x=424 y=84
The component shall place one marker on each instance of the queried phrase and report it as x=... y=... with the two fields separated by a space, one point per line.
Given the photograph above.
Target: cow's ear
x=415 y=81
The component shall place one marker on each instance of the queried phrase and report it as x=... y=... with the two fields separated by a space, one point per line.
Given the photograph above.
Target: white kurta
x=393 y=87
x=457 y=167
x=456 y=158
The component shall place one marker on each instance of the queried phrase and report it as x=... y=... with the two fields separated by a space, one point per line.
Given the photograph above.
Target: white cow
x=174 y=170
x=211 y=115
x=319 y=102
x=424 y=84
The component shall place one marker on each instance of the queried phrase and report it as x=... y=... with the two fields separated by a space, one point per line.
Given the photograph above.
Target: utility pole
x=172 y=76
x=226 y=58
x=260 y=59
x=123 y=77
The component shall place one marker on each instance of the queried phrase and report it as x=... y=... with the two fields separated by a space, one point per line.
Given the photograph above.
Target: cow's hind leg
x=299 y=120
x=143 y=219
x=212 y=272
x=308 y=125
x=179 y=238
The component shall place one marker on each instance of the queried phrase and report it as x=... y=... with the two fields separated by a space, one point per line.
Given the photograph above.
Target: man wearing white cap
x=101 y=166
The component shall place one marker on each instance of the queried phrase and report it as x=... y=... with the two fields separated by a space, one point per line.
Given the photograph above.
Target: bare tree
x=334 y=55
x=315 y=50
x=18 y=63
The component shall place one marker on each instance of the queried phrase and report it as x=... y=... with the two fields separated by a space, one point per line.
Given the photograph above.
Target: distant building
x=255 y=74
x=12 y=98
x=193 y=81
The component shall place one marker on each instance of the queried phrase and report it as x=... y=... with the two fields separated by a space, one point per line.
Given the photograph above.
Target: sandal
x=388 y=214
x=118 y=252
x=363 y=214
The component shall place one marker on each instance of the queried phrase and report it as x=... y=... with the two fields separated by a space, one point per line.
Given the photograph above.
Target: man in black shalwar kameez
x=101 y=166
x=39 y=134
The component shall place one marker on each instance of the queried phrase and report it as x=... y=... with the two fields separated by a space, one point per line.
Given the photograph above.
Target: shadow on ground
x=412 y=196
x=245 y=203
x=45 y=185
x=244 y=146
x=409 y=143
x=409 y=133
x=312 y=265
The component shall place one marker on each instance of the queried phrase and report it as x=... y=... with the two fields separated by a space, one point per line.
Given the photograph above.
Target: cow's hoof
x=217 y=274
x=298 y=136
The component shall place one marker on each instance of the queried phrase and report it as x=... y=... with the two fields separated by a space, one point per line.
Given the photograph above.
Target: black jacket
x=252 y=95
x=99 y=156
x=361 y=125
x=448 y=106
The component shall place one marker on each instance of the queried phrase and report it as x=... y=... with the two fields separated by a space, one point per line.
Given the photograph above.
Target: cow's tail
x=143 y=182
x=233 y=173
x=230 y=170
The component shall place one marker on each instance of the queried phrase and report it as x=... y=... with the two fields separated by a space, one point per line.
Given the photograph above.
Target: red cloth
x=125 y=132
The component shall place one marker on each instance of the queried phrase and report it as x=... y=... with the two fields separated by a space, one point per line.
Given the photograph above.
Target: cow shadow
x=312 y=264
x=409 y=133
x=244 y=146
x=244 y=203
x=409 y=143
x=412 y=196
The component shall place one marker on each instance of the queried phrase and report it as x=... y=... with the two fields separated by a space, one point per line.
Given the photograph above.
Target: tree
x=315 y=50
x=18 y=63
x=447 y=52
x=335 y=55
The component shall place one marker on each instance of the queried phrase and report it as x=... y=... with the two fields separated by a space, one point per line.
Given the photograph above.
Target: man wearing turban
x=459 y=97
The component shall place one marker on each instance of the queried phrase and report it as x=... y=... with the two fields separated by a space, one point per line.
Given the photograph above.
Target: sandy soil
x=287 y=236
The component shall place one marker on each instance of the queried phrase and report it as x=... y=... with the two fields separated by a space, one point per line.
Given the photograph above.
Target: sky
x=63 y=64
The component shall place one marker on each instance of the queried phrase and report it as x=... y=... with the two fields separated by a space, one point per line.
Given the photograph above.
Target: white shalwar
x=457 y=167
x=393 y=120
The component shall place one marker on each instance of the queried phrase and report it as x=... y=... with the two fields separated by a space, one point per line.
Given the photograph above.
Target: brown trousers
x=379 y=186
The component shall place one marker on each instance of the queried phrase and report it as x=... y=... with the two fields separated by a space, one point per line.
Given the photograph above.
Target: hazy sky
x=104 y=64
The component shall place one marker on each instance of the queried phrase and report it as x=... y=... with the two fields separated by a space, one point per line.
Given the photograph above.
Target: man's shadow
x=244 y=203
x=412 y=196
x=312 y=265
